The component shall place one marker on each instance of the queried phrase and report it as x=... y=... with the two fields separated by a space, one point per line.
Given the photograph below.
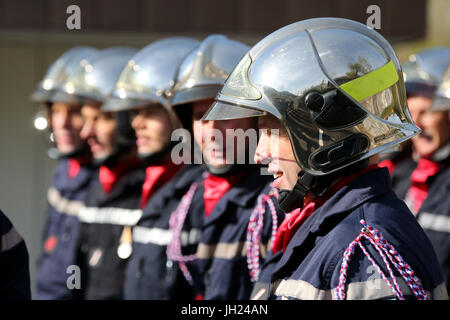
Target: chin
x=425 y=152
x=66 y=149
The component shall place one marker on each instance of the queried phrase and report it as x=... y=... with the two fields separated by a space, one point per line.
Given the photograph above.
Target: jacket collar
x=64 y=183
x=130 y=182
x=241 y=194
x=365 y=187
x=176 y=187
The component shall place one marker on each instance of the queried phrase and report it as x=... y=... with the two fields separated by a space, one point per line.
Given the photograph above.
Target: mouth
x=277 y=176
x=95 y=146
x=142 y=140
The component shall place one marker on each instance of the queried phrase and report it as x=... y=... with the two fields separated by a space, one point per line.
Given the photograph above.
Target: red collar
x=156 y=177
x=109 y=176
x=74 y=165
x=216 y=187
x=297 y=217
x=389 y=164
x=419 y=186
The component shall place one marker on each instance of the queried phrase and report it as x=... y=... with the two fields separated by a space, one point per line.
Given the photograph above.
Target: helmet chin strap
x=289 y=200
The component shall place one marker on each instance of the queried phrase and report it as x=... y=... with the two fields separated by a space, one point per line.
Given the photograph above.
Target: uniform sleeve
x=14 y=263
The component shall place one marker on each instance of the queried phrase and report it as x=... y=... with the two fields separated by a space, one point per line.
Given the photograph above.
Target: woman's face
x=66 y=122
x=99 y=130
x=435 y=126
x=275 y=150
x=217 y=137
x=153 y=129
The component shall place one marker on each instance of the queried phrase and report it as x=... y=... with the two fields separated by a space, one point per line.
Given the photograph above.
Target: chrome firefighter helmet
x=442 y=97
x=424 y=70
x=200 y=76
x=147 y=80
x=335 y=85
x=93 y=81
x=150 y=75
x=58 y=72
x=203 y=72
x=96 y=78
x=53 y=81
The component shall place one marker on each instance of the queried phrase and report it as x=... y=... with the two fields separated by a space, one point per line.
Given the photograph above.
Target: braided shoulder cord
x=387 y=252
x=176 y=222
x=254 y=231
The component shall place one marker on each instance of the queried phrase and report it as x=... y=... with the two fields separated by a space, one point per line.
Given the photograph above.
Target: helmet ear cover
x=342 y=151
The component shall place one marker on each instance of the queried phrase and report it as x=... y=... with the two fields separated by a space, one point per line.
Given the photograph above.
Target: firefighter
x=423 y=179
x=112 y=205
x=14 y=263
x=333 y=89
x=71 y=178
x=143 y=90
x=239 y=216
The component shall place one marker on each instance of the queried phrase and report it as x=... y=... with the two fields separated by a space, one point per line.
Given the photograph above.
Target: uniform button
x=169 y=264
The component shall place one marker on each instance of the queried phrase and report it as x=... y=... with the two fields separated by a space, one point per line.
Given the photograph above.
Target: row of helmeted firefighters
x=314 y=215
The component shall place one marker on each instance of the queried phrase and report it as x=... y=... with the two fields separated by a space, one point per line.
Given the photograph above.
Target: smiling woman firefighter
x=334 y=90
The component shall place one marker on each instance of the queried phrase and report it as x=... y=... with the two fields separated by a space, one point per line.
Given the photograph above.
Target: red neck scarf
x=215 y=188
x=419 y=187
x=389 y=164
x=297 y=217
x=75 y=164
x=109 y=176
x=156 y=177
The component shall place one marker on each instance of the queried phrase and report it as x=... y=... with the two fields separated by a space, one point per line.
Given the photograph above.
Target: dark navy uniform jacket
x=14 y=263
x=221 y=270
x=150 y=274
x=102 y=223
x=434 y=214
x=65 y=198
x=310 y=266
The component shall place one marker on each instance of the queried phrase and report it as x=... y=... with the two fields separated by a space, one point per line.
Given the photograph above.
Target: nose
x=418 y=120
x=209 y=129
x=262 y=152
x=88 y=129
x=138 y=122
x=61 y=120
x=65 y=120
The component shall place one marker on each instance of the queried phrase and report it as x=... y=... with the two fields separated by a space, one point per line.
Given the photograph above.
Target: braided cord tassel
x=394 y=287
x=348 y=253
x=254 y=231
x=400 y=264
x=176 y=222
x=386 y=251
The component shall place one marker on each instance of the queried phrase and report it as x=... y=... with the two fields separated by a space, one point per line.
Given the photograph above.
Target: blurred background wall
x=33 y=34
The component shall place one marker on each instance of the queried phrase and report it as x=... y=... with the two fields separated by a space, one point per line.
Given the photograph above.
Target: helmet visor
x=225 y=111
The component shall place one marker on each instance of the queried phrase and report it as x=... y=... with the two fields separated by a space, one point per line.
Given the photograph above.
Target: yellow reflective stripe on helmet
x=372 y=83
